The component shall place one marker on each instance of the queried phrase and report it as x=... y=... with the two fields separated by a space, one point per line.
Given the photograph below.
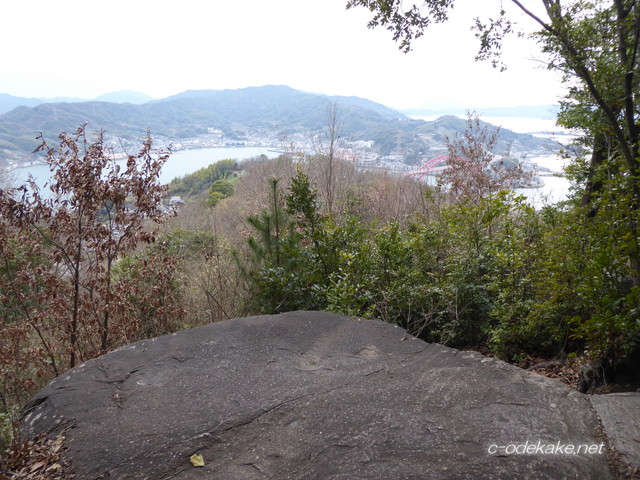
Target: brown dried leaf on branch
x=71 y=286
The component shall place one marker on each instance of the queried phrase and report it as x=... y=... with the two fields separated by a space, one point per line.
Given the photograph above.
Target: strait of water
x=179 y=164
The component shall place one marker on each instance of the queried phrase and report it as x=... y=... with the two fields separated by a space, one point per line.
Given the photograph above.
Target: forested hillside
x=235 y=112
x=239 y=114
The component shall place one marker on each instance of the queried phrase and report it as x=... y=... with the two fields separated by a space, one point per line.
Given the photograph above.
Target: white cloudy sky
x=84 y=48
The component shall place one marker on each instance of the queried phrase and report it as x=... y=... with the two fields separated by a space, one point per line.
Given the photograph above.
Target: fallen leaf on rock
x=197 y=460
x=39 y=458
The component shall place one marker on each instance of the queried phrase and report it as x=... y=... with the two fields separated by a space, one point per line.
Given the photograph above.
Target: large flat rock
x=620 y=416
x=311 y=395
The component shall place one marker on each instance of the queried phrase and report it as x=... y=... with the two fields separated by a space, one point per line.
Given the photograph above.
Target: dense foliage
x=595 y=46
x=489 y=272
x=217 y=180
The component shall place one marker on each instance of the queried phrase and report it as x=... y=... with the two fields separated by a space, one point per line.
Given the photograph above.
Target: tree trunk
x=594 y=185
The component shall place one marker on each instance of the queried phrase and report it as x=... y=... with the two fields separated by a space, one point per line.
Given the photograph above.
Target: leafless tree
x=328 y=153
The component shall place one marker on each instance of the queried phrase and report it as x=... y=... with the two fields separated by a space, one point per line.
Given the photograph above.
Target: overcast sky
x=85 y=48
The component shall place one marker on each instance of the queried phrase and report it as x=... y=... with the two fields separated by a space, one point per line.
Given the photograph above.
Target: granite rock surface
x=313 y=395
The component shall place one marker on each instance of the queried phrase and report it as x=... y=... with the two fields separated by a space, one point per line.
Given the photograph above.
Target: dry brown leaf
x=38 y=466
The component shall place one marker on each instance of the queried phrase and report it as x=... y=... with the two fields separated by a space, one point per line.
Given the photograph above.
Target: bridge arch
x=429 y=166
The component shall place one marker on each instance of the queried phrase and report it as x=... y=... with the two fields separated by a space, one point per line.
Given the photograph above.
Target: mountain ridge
x=238 y=113
x=448 y=126
x=125 y=96
x=193 y=112
x=9 y=102
x=545 y=112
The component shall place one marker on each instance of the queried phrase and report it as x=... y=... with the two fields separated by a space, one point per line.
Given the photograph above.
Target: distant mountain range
x=9 y=102
x=544 y=112
x=437 y=131
x=125 y=96
x=237 y=113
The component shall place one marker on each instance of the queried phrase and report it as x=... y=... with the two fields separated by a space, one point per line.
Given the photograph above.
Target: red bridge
x=429 y=166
